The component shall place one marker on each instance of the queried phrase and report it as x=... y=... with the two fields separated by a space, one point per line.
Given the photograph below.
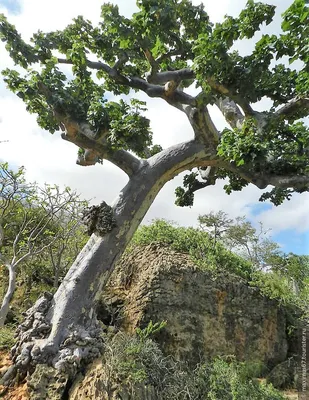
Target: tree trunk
x=56 y=276
x=9 y=294
x=67 y=320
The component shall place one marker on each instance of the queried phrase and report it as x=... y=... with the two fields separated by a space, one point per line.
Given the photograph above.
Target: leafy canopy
x=161 y=50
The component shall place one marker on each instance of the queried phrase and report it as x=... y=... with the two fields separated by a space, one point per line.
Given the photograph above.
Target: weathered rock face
x=206 y=315
x=284 y=374
x=96 y=385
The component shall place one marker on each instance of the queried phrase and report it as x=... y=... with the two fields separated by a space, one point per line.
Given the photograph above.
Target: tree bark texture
x=62 y=330
x=9 y=294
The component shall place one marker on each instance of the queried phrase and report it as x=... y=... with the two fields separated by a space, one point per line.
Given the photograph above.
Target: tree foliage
x=215 y=223
x=161 y=50
x=242 y=237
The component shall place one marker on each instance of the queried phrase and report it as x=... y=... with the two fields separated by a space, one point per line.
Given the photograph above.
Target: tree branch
x=81 y=134
x=181 y=157
x=152 y=86
x=177 y=96
x=161 y=78
x=262 y=180
x=203 y=126
x=169 y=54
x=231 y=112
x=298 y=182
x=296 y=106
x=94 y=150
x=153 y=63
x=226 y=92
x=123 y=58
x=208 y=174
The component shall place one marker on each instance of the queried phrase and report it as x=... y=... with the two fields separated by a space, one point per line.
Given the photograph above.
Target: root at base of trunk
x=50 y=368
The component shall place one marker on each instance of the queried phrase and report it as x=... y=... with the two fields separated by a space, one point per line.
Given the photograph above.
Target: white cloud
x=47 y=158
x=209 y=199
x=291 y=214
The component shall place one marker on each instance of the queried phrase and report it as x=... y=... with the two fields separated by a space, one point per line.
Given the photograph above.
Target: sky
x=49 y=159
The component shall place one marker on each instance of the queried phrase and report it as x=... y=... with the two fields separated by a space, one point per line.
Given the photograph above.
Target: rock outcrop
x=207 y=314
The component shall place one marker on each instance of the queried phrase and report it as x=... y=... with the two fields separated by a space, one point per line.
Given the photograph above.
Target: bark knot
x=99 y=219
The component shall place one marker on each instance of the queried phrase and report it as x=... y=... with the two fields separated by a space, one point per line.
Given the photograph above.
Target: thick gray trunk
x=9 y=294
x=73 y=302
x=62 y=330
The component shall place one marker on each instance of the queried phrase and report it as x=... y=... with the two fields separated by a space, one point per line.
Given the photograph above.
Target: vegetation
x=196 y=243
x=277 y=281
x=38 y=226
x=7 y=337
x=241 y=237
x=161 y=51
x=274 y=282
x=137 y=362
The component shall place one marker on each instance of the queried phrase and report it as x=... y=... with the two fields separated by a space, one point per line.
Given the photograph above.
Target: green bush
x=232 y=381
x=136 y=361
x=216 y=258
x=275 y=286
x=7 y=340
x=196 y=243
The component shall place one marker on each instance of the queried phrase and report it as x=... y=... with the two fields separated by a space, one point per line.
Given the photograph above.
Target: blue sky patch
x=13 y=6
x=292 y=241
x=258 y=208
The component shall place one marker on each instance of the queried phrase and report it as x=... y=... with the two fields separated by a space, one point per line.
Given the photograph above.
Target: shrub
x=7 y=340
x=196 y=243
x=275 y=286
x=136 y=361
x=231 y=381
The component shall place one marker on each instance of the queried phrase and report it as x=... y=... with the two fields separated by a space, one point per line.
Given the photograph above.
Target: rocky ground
x=206 y=315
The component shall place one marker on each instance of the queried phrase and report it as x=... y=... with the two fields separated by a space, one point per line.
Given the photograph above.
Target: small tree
x=27 y=223
x=71 y=237
x=296 y=268
x=216 y=224
x=162 y=50
x=250 y=243
x=240 y=236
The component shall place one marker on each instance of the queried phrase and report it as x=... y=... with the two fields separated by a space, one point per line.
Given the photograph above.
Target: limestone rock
x=206 y=315
x=284 y=374
x=97 y=384
x=47 y=383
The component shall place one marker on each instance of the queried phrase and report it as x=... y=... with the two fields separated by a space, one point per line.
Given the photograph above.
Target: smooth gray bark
x=74 y=301
x=9 y=294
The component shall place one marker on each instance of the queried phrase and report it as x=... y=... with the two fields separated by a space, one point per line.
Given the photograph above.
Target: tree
x=70 y=239
x=29 y=225
x=240 y=236
x=253 y=245
x=51 y=265
x=161 y=51
x=216 y=224
x=296 y=268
